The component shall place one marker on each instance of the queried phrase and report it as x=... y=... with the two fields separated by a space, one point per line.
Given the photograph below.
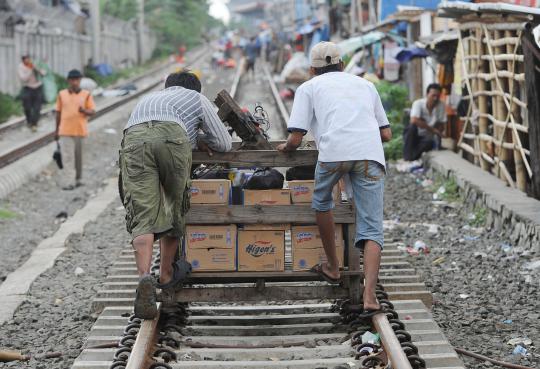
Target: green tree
x=175 y=22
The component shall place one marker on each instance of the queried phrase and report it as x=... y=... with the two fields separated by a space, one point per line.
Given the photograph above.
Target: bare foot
x=331 y=273
x=165 y=278
x=371 y=302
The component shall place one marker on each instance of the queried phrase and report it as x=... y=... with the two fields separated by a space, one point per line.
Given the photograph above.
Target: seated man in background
x=428 y=120
x=155 y=167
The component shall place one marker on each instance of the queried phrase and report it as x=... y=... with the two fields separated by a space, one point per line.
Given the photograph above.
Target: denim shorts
x=367 y=179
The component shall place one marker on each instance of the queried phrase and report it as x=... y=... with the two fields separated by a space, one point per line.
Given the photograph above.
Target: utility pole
x=140 y=31
x=353 y=17
x=360 y=12
x=95 y=22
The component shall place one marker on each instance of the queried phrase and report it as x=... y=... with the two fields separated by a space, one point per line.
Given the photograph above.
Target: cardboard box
x=211 y=248
x=267 y=197
x=307 y=248
x=267 y=227
x=302 y=192
x=308 y=237
x=261 y=251
x=305 y=259
x=210 y=191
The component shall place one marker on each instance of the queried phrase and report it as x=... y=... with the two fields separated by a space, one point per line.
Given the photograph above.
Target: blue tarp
x=407 y=54
x=103 y=69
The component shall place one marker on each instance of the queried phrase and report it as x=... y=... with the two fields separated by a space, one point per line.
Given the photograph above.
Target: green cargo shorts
x=155 y=164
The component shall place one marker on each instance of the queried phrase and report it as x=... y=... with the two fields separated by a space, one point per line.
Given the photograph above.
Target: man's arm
x=24 y=73
x=386 y=133
x=58 y=117
x=300 y=119
x=421 y=123
x=216 y=136
x=293 y=141
x=89 y=106
x=378 y=108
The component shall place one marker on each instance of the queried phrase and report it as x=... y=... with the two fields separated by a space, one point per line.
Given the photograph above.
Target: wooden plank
x=353 y=254
x=532 y=87
x=258 y=214
x=247 y=277
x=269 y=293
x=258 y=158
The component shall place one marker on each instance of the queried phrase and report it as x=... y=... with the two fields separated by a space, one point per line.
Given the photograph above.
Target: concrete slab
x=17 y=284
x=510 y=205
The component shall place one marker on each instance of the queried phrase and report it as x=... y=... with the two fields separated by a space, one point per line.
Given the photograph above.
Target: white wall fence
x=63 y=51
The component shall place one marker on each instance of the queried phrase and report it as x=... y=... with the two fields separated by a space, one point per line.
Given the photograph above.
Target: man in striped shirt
x=155 y=166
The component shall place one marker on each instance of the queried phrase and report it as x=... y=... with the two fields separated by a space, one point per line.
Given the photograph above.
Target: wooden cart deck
x=264 y=286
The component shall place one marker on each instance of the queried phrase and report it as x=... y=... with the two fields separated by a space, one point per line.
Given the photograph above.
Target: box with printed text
x=211 y=248
x=210 y=191
x=302 y=192
x=261 y=251
x=307 y=247
x=267 y=197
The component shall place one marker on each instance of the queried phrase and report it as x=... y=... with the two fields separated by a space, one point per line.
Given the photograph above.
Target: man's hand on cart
x=293 y=142
x=203 y=146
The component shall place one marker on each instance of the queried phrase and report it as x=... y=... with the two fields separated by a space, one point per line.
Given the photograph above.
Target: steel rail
x=141 y=353
x=284 y=113
x=38 y=143
x=391 y=344
x=237 y=76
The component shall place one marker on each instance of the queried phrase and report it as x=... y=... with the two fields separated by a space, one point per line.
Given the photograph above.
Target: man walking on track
x=73 y=107
x=32 y=91
x=345 y=114
x=155 y=167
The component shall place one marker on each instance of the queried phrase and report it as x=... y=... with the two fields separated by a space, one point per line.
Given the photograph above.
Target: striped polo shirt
x=190 y=109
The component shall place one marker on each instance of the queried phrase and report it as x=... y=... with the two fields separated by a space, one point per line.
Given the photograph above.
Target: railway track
x=13 y=154
x=279 y=330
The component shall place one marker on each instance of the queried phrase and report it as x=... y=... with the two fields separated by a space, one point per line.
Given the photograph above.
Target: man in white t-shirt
x=428 y=119
x=345 y=115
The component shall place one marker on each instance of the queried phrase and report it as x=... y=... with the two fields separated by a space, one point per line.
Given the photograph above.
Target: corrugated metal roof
x=456 y=9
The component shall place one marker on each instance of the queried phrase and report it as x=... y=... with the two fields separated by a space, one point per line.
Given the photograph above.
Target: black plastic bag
x=265 y=179
x=57 y=156
x=301 y=173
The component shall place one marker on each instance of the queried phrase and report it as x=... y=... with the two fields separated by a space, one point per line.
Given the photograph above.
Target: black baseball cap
x=74 y=73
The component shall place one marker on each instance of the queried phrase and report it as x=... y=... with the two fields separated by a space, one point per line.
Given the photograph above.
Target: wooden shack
x=500 y=79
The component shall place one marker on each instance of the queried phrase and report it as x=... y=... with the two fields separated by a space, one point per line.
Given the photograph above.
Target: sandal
x=145 y=306
x=318 y=268
x=181 y=272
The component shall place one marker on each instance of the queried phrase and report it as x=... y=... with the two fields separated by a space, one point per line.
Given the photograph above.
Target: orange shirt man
x=73 y=107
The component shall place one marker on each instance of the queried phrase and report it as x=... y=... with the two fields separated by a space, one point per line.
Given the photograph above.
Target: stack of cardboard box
x=254 y=247
x=307 y=247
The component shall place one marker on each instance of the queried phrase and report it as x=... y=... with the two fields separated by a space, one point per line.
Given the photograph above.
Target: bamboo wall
x=495 y=130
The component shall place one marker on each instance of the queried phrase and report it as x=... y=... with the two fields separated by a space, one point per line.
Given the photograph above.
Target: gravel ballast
x=483 y=295
x=56 y=316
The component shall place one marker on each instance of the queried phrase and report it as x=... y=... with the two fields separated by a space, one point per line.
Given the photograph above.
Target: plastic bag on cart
x=265 y=179
x=210 y=172
x=300 y=173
